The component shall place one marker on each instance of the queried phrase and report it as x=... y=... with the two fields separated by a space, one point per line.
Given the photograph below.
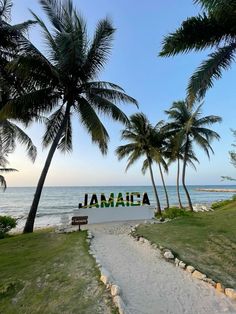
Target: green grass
x=205 y=240
x=45 y=272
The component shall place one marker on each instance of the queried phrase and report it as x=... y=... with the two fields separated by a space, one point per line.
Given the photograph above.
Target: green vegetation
x=6 y=224
x=205 y=240
x=223 y=203
x=45 y=272
x=173 y=212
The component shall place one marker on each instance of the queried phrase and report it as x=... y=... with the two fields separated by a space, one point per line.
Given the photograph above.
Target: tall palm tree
x=159 y=145
x=64 y=83
x=214 y=28
x=139 y=134
x=188 y=124
x=175 y=153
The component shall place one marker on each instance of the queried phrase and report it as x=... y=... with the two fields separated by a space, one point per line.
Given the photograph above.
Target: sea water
x=57 y=203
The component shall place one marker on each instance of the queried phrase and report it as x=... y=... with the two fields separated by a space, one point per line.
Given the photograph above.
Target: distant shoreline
x=217 y=190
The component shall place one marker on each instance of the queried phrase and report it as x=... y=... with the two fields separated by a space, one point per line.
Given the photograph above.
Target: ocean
x=58 y=203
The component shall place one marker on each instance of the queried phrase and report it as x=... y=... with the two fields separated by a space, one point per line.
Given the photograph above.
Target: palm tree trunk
x=183 y=176
x=164 y=186
x=29 y=225
x=154 y=187
x=177 y=184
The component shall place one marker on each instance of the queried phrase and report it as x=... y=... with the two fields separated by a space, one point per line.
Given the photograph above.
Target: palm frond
x=106 y=107
x=93 y=125
x=210 y=70
x=25 y=140
x=99 y=50
x=8 y=170
x=214 y=6
x=196 y=33
x=54 y=11
x=65 y=144
x=124 y=150
x=3 y=183
x=53 y=124
x=133 y=157
x=5 y=9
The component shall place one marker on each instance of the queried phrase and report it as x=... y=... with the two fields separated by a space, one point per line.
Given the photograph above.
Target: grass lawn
x=45 y=272
x=206 y=241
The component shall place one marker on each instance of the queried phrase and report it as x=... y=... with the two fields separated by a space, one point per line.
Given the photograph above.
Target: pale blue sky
x=155 y=82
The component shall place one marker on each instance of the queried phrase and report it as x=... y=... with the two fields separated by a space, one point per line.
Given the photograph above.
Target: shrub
x=6 y=224
x=173 y=212
x=220 y=204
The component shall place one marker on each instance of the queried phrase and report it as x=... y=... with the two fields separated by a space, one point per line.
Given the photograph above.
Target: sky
x=155 y=82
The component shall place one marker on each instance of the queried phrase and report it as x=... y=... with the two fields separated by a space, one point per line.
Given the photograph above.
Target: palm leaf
x=196 y=33
x=3 y=183
x=5 y=9
x=99 y=50
x=210 y=70
x=93 y=125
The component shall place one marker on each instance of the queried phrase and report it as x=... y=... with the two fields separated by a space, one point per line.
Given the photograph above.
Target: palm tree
x=188 y=125
x=159 y=145
x=139 y=133
x=214 y=28
x=175 y=152
x=65 y=82
x=3 y=162
x=10 y=35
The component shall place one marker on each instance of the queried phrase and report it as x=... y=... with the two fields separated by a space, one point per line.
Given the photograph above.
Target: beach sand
x=149 y=284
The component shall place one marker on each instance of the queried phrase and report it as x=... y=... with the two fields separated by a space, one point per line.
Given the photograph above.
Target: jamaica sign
x=129 y=199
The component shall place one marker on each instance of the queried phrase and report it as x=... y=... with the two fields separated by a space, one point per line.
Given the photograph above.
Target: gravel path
x=149 y=284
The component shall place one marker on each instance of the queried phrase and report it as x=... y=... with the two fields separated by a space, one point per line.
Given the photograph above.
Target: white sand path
x=149 y=284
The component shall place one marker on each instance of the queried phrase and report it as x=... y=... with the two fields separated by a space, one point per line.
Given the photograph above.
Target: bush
x=6 y=224
x=220 y=204
x=174 y=212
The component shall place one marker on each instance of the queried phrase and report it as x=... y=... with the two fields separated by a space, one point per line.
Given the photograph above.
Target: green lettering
x=138 y=203
x=110 y=202
x=120 y=200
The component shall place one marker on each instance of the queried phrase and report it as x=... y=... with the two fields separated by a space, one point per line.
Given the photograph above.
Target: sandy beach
x=149 y=284
x=217 y=190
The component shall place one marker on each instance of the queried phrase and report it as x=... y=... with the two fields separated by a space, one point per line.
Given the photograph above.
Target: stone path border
x=168 y=255
x=107 y=279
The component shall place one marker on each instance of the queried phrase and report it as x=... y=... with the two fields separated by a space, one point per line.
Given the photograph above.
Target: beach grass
x=45 y=272
x=204 y=240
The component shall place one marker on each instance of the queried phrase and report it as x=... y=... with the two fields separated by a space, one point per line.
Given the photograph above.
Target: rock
x=154 y=246
x=161 y=247
x=197 y=274
x=177 y=261
x=115 y=290
x=141 y=240
x=190 y=269
x=210 y=281
x=120 y=304
x=168 y=255
x=231 y=293
x=182 y=265
x=219 y=287
x=105 y=276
